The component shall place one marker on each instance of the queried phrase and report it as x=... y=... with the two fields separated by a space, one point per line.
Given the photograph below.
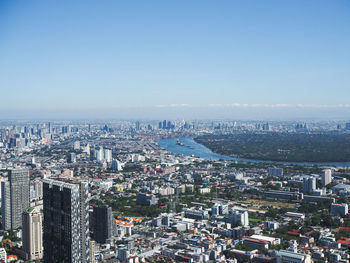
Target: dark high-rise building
x=15 y=198
x=137 y=124
x=102 y=224
x=66 y=221
x=164 y=124
x=65 y=129
x=72 y=158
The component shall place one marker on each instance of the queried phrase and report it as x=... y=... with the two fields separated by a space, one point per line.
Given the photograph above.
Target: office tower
x=89 y=127
x=160 y=125
x=32 y=234
x=164 y=124
x=326 y=177
x=266 y=126
x=309 y=185
x=72 y=158
x=102 y=224
x=137 y=124
x=15 y=198
x=66 y=221
x=49 y=127
x=347 y=126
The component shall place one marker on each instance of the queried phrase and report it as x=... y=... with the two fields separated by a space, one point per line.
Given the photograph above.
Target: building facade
x=32 y=235
x=102 y=224
x=66 y=221
x=284 y=256
x=15 y=198
x=326 y=177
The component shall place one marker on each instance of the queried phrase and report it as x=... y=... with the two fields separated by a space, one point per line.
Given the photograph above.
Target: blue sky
x=157 y=56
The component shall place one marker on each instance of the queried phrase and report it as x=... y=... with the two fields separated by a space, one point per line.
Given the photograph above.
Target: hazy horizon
x=247 y=112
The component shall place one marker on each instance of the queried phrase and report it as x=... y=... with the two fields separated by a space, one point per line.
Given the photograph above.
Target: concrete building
x=326 y=177
x=108 y=155
x=238 y=215
x=146 y=199
x=196 y=214
x=275 y=171
x=66 y=220
x=76 y=145
x=339 y=209
x=271 y=240
x=92 y=251
x=99 y=154
x=283 y=195
x=309 y=184
x=271 y=225
x=32 y=235
x=72 y=158
x=284 y=256
x=117 y=165
x=103 y=224
x=255 y=243
x=295 y=216
x=15 y=196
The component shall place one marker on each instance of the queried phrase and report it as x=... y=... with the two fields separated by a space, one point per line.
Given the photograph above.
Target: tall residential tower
x=66 y=221
x=32 y=234
x=15 y=198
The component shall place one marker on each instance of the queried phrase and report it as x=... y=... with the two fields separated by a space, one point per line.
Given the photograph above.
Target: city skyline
x=156 y=58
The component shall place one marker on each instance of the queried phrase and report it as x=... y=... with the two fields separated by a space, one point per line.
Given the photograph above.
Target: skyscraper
x=102 y=224
x=72 y=158
x=99 y=154
x=326 y=177
x=309 y=184
x=15 y=198
x=107 y=155
x=66 y=221
x=32 y=234
x=49 y=127
x=137 y=124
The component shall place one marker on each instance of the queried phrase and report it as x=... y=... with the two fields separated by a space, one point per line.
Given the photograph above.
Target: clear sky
x=153 y=58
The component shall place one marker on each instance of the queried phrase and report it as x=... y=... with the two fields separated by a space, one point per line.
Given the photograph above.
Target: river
x=191 y=147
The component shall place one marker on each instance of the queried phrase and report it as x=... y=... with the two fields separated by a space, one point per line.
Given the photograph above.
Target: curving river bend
x=191 y=147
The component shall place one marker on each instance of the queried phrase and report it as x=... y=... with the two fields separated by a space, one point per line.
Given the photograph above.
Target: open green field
x=290 y=147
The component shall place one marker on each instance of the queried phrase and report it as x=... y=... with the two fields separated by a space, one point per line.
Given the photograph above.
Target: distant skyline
x=193 y=59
